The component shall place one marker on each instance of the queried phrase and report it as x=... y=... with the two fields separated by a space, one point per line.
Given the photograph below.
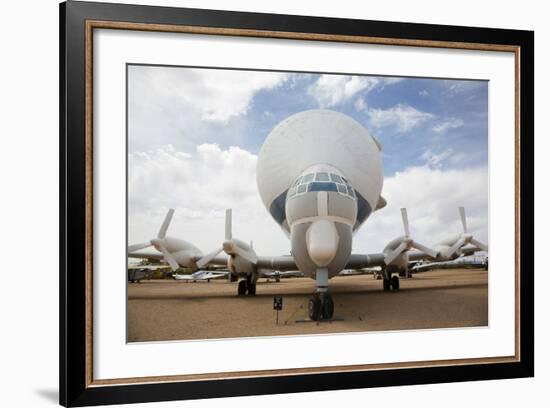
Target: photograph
x=258 y=203
x=283 y=203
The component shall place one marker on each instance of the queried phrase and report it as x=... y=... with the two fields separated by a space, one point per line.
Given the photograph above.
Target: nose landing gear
x=321 y=305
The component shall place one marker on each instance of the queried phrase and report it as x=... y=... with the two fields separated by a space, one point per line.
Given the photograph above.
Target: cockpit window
x=291 y=192
x=322 y=187
x=324 y=181
x=322 y=177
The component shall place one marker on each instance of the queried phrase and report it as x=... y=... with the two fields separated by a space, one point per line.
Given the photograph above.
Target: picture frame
x=78 y=20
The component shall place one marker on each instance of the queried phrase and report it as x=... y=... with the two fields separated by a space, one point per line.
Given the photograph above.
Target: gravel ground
x=176 y=310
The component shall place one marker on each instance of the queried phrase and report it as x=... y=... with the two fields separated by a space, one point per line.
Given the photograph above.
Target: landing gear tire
x=386 y=285
x=314 y=308
x=251 y=289
x=328 y=307
x=241 y=289
x=395 y=282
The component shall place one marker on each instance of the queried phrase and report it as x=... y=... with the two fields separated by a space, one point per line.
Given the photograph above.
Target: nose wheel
x=320 y=307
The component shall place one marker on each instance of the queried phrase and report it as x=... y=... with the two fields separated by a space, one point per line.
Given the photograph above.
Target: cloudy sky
x=194 y=136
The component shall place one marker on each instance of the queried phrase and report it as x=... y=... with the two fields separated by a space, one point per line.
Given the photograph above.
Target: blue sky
x=465 y=102
x=460 y=104
x=194 y=135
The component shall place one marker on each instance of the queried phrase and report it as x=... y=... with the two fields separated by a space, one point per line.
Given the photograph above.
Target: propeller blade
x=405 y=221
x=228 y=227
x=457 y=245
x=165 y=223
x=396 y=252
x=137 y=247
x=480 y=245
x=462 y=213
x=424 y=249
x=208 y=257
x=169 y=258
x=248 y=255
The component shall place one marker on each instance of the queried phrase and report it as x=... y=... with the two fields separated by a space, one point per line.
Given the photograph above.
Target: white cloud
x=360 y=104
x=215 y=95
x=448 y=124
x=460 y=87
x=424 y=92
x=403 y=117
x=436 y=159
x=332 y=90
x=200 y=186
x=431 y=197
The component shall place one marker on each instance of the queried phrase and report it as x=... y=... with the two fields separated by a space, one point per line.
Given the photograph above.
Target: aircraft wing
x=277 y=263
x=218 y=260
x=418 y=256
x=356 y=261
x=278 y=274
x=360 y=261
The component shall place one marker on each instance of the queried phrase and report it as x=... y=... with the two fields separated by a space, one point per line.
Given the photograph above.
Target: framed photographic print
x=256 y=203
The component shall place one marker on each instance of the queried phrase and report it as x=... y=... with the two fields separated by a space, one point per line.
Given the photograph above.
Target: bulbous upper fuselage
x=320 y=175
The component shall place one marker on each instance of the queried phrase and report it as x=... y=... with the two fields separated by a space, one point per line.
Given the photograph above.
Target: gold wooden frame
x=99 y=24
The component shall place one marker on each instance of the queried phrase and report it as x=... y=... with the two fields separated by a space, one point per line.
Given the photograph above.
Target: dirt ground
x=176 y=310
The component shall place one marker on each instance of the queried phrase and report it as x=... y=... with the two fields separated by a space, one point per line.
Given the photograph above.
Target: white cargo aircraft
x=320 y=176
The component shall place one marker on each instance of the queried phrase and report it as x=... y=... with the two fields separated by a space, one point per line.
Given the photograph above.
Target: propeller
x=407 y=242
x=165 y=224
x=464 y=238
x=159 y=242
x=230 y=246
x=137 y=247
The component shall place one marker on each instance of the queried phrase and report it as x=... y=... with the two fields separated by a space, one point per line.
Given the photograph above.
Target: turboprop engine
x=451 y=248
x=242 y=258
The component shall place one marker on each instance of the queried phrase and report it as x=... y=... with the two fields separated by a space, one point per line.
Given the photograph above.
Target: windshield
x=321 y=181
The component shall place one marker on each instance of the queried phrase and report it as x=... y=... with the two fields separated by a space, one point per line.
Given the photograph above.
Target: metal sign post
x=277 y=305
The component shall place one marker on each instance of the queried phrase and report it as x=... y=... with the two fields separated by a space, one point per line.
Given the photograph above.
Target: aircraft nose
x=322 y=242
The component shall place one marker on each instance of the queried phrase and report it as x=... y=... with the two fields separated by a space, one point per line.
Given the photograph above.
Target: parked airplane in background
x=138 y=272
x=200 y=276
x=319 y=174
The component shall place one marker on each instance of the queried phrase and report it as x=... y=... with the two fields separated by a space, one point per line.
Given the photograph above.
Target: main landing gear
x=321 y=305
x=246 y=286
x=391 y=283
